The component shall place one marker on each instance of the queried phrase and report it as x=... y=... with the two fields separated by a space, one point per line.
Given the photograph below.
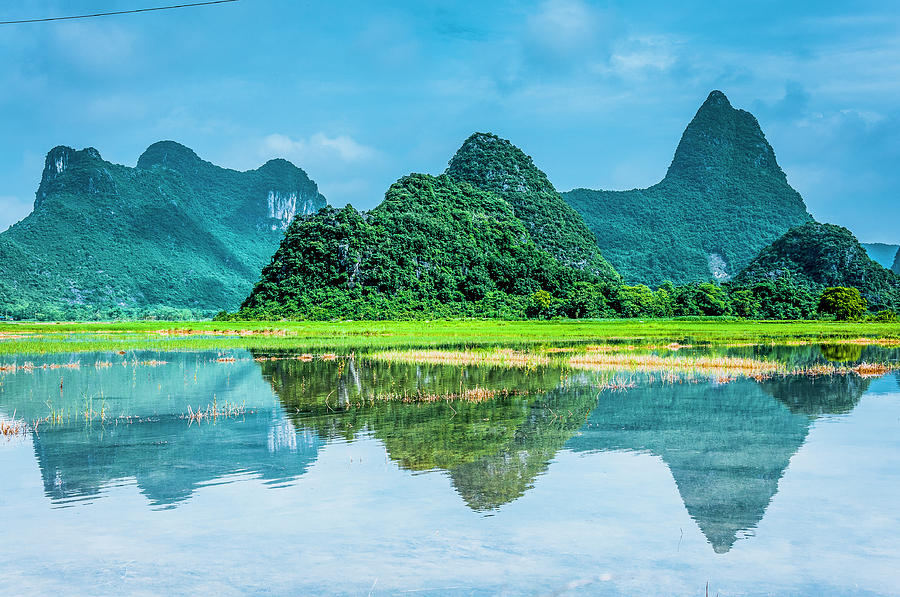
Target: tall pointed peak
x=716 y=99
x=720 y=142
x=493 y=163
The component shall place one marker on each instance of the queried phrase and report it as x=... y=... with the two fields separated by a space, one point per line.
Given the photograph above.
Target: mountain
x=723 y=199
x=436 y=245
x=881 y=253
x=822 y=255
x=895 y=267
x=492 y=450
x=167 y=457
x=174 y=232
x=493 y=164
x=726 y=445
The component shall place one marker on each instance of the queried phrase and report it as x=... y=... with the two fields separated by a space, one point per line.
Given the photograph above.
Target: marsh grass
x=721 y=366
x=13 y=428
x=347 y=336
x=501 y=358
x=213 y=412
x=668 y=367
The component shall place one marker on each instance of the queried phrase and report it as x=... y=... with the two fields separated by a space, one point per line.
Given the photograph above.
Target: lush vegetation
x=843 y=303
x=723 y=199
x=435 y=247
x=493 y=164
x=350 y=336
x=482 y=240
x=815 y=256
x=172 y=238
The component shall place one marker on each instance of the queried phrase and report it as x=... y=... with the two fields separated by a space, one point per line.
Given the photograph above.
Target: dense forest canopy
x=816 y=256
x=496 y=165
x=434 y=246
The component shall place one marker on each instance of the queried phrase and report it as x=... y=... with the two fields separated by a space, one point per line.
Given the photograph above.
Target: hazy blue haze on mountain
x=360 y=94
x=883 y=253
x=176 y=232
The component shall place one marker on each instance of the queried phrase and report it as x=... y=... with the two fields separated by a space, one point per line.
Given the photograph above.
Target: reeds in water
x=473 y=395
x=721 y=367
x=215 y=411
x=502 y=358
x=13 y=428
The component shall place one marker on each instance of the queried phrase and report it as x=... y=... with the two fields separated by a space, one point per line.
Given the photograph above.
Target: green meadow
x=351 y=336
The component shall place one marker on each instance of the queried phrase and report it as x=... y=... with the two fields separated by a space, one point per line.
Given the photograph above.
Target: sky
x=360 y=93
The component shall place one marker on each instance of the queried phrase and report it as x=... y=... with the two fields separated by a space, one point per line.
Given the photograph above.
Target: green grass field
x=345 y=337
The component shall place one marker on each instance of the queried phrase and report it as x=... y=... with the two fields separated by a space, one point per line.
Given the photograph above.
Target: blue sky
x=361 y=93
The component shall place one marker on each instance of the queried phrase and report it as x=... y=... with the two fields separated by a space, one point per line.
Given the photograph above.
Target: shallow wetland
x=581 y=466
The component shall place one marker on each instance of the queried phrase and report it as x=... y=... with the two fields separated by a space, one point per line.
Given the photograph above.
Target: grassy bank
x=35 y=338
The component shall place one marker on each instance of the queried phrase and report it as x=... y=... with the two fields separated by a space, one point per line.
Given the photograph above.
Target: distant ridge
x=883 y=253
x=174 y=233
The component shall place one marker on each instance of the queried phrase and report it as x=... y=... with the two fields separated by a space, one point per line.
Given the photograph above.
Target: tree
x=541 y=301
x=842 y=302
x=634 y=301
x=700 y=299
x=584 y=300
x=744 y=303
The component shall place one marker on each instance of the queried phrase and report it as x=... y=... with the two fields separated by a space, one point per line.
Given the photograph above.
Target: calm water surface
x=788 y=486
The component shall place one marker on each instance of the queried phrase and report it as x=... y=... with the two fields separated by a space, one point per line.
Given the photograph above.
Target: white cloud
x=566 y=34
x=642 y=54
x=388 y=42
x=563 y=24
x=317 y=147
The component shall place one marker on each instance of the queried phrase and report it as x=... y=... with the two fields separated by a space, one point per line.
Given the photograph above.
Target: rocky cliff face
x=174 y=232
x=723 y=199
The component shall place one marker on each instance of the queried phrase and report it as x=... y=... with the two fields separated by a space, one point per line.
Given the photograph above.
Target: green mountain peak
x=493 y=164
x=172 y=155
x=822 y=255
x=489 y=162
x=176 y=232
x=721 y=140
x=723 y=199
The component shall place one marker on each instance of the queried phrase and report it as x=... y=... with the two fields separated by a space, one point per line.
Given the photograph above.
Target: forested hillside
x=816 y=256
x=723 y=199
x=438 y=246
x=496 y=165
x=434 y=246
x=175 y=236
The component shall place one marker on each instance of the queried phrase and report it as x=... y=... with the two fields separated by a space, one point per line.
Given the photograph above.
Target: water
x=304 y=485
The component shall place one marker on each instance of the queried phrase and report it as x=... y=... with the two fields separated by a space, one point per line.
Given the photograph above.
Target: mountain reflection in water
x=727 y=445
